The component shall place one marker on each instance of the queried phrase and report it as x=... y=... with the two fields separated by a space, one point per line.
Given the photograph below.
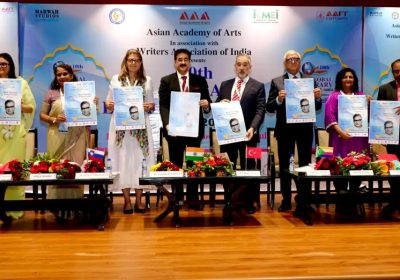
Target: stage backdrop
x=381 y=46
x=94 y=38
x=9 y=31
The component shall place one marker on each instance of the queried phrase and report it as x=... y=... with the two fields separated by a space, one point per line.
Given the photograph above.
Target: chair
x=31 y=143
x=322 y=139
x=93 y=139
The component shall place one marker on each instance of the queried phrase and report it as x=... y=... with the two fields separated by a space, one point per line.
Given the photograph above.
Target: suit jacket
x=388 y=91
x=171 y=83
x=281 y=127
x=252 y=102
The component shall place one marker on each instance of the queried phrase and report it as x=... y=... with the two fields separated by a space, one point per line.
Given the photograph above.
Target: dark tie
x=184 y=88
x=294 y=77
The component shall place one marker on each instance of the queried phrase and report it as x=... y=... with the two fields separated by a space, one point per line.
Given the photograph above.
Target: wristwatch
x=54 y=121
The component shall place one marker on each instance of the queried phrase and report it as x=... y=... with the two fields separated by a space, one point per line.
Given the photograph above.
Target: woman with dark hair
x=63 y=142
x=128 y=148
x=12 y=139
x=341 y=141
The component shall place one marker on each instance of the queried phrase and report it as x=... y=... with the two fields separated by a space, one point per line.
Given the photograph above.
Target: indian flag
x=194 y=153
x=322 y=152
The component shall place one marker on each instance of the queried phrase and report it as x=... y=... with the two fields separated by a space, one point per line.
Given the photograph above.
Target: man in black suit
x=391 y=91
x=182 y=81
x=251 y=94
x=288 y=134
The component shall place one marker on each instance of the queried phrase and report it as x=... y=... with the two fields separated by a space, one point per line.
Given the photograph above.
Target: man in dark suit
x=391 y=91
x=182 y=81
x=288 y=134
x=251 y=95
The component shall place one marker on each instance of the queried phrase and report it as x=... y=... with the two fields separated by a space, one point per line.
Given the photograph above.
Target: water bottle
x=291 y=163
x=109 y=166
x=144 y=168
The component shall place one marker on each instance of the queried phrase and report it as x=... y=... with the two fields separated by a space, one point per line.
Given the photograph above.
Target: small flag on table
x=324 y=152
x=253 y=152
x=194 y=153
x=95 y=154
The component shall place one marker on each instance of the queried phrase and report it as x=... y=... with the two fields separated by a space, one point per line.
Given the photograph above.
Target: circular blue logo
x=117 y=16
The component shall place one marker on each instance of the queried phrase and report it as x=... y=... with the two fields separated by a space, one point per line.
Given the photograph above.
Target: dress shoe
x=128 y=211
x=139 y=210
x=387 y=212
x=284 y=207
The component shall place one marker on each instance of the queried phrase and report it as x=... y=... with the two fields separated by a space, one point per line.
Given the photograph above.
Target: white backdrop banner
x=94 y=38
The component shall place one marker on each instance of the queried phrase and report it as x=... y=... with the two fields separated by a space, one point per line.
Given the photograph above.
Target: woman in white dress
x=128 y=148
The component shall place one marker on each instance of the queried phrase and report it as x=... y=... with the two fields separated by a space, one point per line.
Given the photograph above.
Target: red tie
x=236 y=93
x=184 y=88
x=398 y=92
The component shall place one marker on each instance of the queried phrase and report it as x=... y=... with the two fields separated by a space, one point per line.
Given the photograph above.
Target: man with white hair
x=289 y=134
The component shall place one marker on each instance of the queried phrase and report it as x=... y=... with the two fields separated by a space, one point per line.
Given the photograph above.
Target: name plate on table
x=93 y=175
x=43 y=176
x=318 y=173
x=361 y=173
x=394 y=172
x=5 y=177
x=248 y=173
x=166 y=173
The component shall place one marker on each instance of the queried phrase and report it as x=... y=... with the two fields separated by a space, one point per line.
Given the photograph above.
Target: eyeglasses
x=7 y=107
x=235 y=124
x=133 y=60
x=134 y=112
x=293 y=59
x=358 y=120
x=65 y=74
x=305 y=105
x=85 y=108
x=388 y=127
x=4 y=65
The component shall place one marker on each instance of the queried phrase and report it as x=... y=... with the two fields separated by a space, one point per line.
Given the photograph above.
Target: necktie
x=398 y=92
x=184 y=88
x=294 y=77
x=236 y=94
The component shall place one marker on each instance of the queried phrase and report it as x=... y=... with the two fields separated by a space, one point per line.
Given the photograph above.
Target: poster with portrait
x=229 y=122
x=384 y=122
x=353 y=114
x=10 y=101
x=299 y=100
x=128 y=108
x=184 y=114
x=80 y=109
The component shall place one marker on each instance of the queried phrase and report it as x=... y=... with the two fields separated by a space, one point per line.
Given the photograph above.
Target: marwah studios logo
x=194 y=18
x=265 y=15
x=47 y=15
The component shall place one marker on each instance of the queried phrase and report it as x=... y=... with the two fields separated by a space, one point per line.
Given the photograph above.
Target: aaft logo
x=265 y=15
x=308 y=69
x=7 y=10
x=117 y=16
x=332 y=15
x=47 y=14
x=194 y=18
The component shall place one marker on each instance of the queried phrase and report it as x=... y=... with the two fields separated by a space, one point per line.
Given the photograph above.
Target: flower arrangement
x=354 y=161
x=15 y=168
x=164 y=166
x=382 y=167
x=65 y=169
x=211 y=165
x=41 y=163
x=93 y=165
x=331 y=164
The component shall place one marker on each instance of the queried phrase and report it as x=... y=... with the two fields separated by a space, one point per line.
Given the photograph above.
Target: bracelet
x=53 y=121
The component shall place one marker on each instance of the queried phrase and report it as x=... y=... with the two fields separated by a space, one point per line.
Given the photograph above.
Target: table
x=96 y=202
x=174 y=204
x=306 y=196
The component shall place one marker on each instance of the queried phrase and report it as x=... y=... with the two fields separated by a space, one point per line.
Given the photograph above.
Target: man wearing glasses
x=305 y=105
x=134 y=112
x=289 y=134
x=85 y=108
x=388 y=125
x=357 y=120
x=9 y=105
x=235 y=126
x=391 y=91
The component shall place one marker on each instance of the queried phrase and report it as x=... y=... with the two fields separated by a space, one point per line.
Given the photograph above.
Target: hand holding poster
x=299 y=100
x=128 y=108
x=353 y=114
x=10 y=101
x=384 y=123
x=80 y=109
x=184 y=114
x=229 y=122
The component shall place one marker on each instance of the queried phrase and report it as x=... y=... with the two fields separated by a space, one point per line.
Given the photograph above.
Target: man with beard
x=183 y=81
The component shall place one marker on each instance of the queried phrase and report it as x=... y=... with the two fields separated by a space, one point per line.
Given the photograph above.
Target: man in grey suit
x=391 y=91
x=289 y=134
x=251 y=95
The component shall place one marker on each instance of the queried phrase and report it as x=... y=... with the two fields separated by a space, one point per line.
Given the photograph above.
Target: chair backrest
x=164 y=145
x=31 y=143
x=93 y=140
x=273 y=147
x=321 y=137
x=378 y=149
